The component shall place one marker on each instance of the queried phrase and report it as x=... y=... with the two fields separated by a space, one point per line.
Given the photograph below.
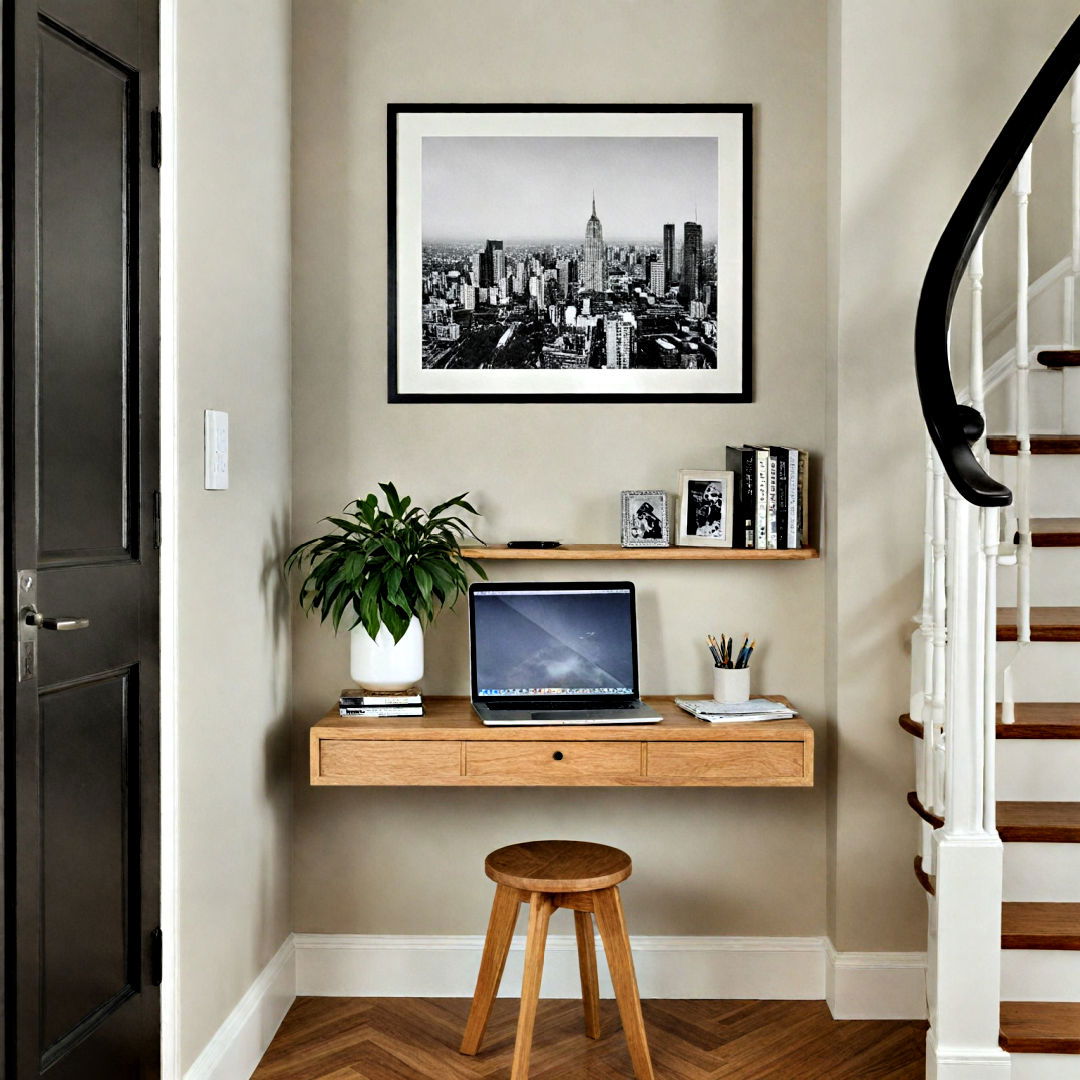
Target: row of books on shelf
x=360 y=701
x=770 y=496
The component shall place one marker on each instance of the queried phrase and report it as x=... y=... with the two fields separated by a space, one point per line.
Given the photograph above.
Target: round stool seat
x=558 y=866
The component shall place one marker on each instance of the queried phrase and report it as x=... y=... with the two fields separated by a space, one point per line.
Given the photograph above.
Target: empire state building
x=594 y=263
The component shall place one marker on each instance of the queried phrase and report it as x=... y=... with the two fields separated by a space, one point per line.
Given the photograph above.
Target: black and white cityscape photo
x=591 y=263
x=564 y=253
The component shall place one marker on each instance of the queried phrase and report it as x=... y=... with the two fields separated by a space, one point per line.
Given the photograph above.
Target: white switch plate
x=216 y=450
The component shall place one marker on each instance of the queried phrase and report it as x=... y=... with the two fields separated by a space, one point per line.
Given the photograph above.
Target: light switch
x=216 y=450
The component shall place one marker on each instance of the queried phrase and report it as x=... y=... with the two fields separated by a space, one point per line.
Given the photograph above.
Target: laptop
x=551 y=653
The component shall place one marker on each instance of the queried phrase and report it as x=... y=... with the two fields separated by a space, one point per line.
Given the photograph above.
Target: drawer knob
x=557 y=755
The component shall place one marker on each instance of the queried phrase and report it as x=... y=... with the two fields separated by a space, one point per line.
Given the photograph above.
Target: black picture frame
x=395 y=393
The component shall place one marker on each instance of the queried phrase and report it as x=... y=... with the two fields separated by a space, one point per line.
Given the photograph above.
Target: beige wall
x=232 y=267
x=399 y=861
x=919 y=91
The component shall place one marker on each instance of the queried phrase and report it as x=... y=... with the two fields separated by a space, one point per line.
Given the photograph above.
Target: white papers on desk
x=737 y=712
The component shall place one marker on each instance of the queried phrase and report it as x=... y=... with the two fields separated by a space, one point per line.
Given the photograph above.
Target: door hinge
x=155 y=138
x=157 y=520
x=156 y=957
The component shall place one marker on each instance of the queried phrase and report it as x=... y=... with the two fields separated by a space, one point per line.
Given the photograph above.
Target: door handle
x=59 y=622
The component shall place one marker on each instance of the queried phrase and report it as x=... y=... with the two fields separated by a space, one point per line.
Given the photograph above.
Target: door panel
x=86 y=258
x=115 y=26
x=89 y=801
x=82 y=467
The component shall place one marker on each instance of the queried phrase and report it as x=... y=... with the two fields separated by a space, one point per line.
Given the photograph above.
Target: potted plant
x=391 y=570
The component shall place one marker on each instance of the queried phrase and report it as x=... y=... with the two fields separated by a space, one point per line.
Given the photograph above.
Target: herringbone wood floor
x=417 y=1039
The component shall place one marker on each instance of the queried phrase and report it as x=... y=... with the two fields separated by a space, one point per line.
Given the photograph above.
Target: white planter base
x=383 y=664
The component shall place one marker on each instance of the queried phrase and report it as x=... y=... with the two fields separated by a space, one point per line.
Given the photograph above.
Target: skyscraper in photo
x=669 y=255
x=691 y=268
x=488 y=262
x=593 y=263
x=619 y=336
x=657 y=277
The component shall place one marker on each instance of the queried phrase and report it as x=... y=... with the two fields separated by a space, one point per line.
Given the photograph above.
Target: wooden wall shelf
x=616 y=551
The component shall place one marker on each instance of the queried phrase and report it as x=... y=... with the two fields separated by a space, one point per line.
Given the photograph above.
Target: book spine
x=743 y=508
x=793 y=540
x=749 y=467
x=408 y=710
x=770 y=502
x=781 y=498
x=804 y=496
x=377 y=702
x=761 y=499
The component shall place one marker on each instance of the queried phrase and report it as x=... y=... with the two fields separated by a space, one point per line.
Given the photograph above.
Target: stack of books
x=771 y=492
x=359 y=701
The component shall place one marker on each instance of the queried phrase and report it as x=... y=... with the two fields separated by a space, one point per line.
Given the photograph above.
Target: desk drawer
x=571 y=764
x=725 y=761
x=363 y=761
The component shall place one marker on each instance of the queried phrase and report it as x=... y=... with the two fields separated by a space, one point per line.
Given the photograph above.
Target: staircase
x=997 y=779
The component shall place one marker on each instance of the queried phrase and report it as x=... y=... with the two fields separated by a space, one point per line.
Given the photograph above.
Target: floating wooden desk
x=449 y=747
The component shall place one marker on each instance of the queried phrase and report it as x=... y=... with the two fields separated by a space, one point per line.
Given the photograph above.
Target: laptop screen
x=570 y=641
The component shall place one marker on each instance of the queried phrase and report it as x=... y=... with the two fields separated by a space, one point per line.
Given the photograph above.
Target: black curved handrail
x=954 y=427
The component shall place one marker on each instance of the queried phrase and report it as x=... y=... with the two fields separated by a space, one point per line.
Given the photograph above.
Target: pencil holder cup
x=731 y=684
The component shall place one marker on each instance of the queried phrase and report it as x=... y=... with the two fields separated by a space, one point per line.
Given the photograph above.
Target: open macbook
x=547 y=653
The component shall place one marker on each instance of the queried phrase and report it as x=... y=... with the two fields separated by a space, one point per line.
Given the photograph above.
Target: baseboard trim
x=239 y=1044
x=989 y=1063
x=856 y=985
x=875 y=986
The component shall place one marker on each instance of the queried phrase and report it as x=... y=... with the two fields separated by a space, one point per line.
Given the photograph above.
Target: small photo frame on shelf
x=705 y=508
x=646 y=519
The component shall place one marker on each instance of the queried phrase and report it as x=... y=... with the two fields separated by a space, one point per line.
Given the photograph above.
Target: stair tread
x=1055 y=532
x=1047 y=624
x=1040 y=925
x=1009 y=445
x=1039 y=822
x=1059 y=358
x=1040 y=1027
x=1034 y=720
x=1042 y=720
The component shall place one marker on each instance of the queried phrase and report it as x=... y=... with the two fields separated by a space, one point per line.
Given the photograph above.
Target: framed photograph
x=704 y=509
x=645 y=519
x=569 y=253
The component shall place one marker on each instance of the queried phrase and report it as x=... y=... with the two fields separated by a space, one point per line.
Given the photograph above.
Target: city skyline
x=594 y=306
x=530 y=189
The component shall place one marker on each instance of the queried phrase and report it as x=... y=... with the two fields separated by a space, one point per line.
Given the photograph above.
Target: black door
x=81 y=585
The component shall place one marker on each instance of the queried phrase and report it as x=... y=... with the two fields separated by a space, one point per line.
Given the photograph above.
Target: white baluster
x=938 y=666
x=922 y=696
x=975 y=380
x=1008 y=697
x=1022 y=189
x=1069 y=315
x=991 y=538
x=935 y=716
x=963 y=717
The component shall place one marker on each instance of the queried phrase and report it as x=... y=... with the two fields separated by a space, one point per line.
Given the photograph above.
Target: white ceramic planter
x=383 y=665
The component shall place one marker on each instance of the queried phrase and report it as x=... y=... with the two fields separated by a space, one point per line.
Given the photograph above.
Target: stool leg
x=609 y=916
x=504 y=913
x=590 y=987
x=540 y=909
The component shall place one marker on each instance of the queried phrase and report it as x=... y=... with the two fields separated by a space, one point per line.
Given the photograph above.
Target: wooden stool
x=550 y=874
